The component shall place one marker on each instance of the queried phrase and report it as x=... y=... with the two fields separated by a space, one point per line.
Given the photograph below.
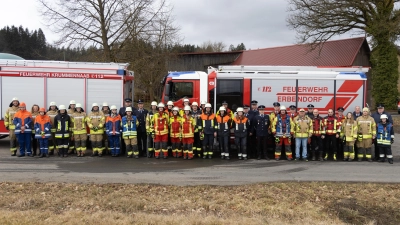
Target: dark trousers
x=241 y=145
x=223 y=144
x=330 y=144
x=197 y=144
x=252 y=146
x=62 y=144
x=24 y=141
x=142 y=142
x=316 y=144
x=262 y=146
x=44 y=145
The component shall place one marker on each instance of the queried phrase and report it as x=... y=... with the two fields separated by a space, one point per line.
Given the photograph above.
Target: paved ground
x=184 y=172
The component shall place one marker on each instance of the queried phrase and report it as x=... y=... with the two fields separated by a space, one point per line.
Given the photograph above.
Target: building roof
x=333 y=53
x=9 y=56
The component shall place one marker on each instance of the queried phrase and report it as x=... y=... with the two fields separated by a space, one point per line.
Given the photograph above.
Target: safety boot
x=382 y=159
x=326 y=157
x=313 y=156
x=390 y=160
x=334 y=157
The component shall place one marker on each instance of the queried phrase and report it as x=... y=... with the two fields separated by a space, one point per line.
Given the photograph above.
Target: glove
x=277 y=140
x=392 y=141
x=7 y=128
x=42 y=133
x=152 y=135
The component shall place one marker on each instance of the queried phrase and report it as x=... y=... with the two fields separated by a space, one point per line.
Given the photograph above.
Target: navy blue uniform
x=141 y=115
x=261 y=124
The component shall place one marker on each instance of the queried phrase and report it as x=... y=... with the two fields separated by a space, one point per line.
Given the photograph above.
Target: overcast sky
x=256 y=23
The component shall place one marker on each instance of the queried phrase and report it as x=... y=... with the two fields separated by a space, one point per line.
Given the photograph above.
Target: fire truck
x=42 y=82
x=323 y=87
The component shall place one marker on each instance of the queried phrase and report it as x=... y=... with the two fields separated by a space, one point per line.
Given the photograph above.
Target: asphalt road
x=188 y=172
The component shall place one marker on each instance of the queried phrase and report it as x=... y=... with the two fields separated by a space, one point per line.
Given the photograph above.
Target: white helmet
x=72 y=102
x=384 y=116
x=78 y=105
x=169 y=103
x=160 y=105
x=15 y=99
x=187 y=108
x=222 y=108
x=203 y=102
x=105 y=104
x=95 y=104
x=128 y=109
x=208 y=105
x=175 y=109
x=61 y=107
x=154 y=103
x=186 y=100
x=239 y=109
x=195 y=103
x=53 y=104
x=113 y=107
x=283 y=107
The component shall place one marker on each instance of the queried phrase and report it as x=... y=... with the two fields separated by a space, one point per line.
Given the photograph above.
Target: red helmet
x=22 y=104
x=42 y=110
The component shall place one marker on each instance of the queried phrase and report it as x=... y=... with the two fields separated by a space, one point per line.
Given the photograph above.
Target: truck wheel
x=3 y=136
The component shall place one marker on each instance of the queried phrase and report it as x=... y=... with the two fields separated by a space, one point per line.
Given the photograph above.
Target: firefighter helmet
x=169 y=103
x=95 y=104
x=72 y=102
x=175 y=109
x=22 y=104
x=195 y=103
x=128 y=109
x=113 y=107
x=239 y=109
x=42 y=110
x=384 y=116
x=15 y=99
x=53 y=104
x=187 y=108
x=282 y=107
x=222 y=108
x=160 y=105
x=154 y=103
x=62 y=107
x=105 y=104
x=208 y=105
x=203 y=102
x=78 y=105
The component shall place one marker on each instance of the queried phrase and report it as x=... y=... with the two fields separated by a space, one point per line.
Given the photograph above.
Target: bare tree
x=209 y=46
x=107 y=24
x=317 y=21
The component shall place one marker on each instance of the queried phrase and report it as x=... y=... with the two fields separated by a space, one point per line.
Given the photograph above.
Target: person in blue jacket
x=113 y=131
x=385 y=138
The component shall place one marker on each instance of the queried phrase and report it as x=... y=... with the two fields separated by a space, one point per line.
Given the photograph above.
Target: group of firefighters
x=195 y=130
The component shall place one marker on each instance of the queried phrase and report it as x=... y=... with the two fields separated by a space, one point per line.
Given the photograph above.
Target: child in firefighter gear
x=129 y=133
x=62 y=123
x=223 y=125
x=104 y=143
x=340 y=145
x=283 y=129
x=113 y=131
x=8 y=123
x=78 y=119
x=366 y=129
x=241 y=124
x=52 y=112
x=71 y=110
x=175 y=135
x=348 y=134
x=196 y=113
x=95 y=121
x=188 y=132
x=186 y=102
x=23 y=129
x=160 y=121
x=35 y=113
x=318 y=128
x=331 y=134
x=385 y=137
x=261 y=127
x=42 y=132
x=228 y=110
x=150 y=129
x=207 y=131
x=302 y=132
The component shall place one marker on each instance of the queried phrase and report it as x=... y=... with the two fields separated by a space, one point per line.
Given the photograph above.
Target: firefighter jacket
x=188 y=126
x=129 y=127
x=384 y=133
x=78 y=123
x=349 y=130
x=282 y=126
x=95 y=121
x=9 y=117
x=150 y=122
x=318 y=126
x=174 y=124
x=196 y=117
x=340 y=120
x=302 y=127
x=168 y=112
x=62 y=123
x=160 y=121
x=240 y=125
x=331 y=127
x=141 y=115
x=228 y=112
x=261 y=125
x=207 y=122
x=23 y=118
x=273 y=115
x=42 y=126
x=223 y=124
x=293 y=115
x=366 y=126
x=52 y=114
x=70 y=113
x=113 y=125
